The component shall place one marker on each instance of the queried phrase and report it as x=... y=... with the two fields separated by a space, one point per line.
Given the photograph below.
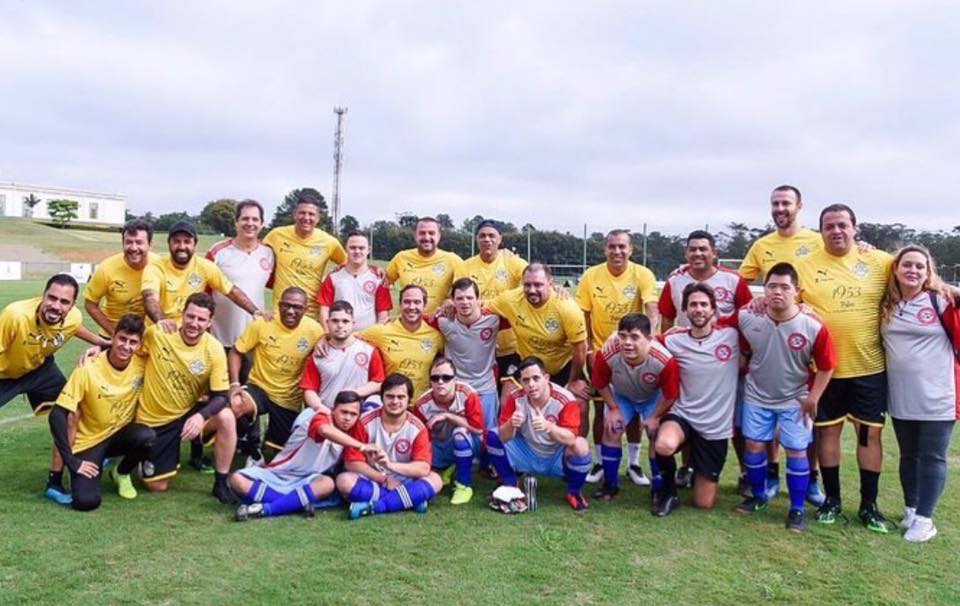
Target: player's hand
x=322 y=348
x=88 y=469
x=446 y=310
x=809 y=406
x=436 y=420
x=758 y=305
x=381 y=275
x=538 y=421
x=864 y=247
x=266 y=314
x=192 y=427
x=561 y=292
x=612 y=420
x=579 y=389
x=651 y=426
x=167 y=325
x=89 y=355
x=517 y=418
x=369 y=449
x=392 y=483
x=674 y=330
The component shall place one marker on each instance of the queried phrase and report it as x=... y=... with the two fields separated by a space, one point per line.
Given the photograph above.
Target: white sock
x=599 y=456
x=633 y=453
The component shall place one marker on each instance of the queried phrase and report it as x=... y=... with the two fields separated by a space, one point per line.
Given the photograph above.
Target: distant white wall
x=92 y=207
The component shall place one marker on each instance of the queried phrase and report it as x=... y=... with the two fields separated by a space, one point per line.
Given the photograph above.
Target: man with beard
x=31 y=331
x=426 y=265
x=114 y=289
x=359 y=285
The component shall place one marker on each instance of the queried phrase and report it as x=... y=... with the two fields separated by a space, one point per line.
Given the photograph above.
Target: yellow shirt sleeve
x=574 y=325
x=219 y=379
x=250 y=337
x=75 y=389
x=393 y=268
x=373 y=334
x=215 y=276
x=8 y=330
x=97 y=286
x=750 y=268
x=583 y=292
x=516 y=265
x=337 y=253
x=501 y=306
x=152 y=278
x=648 y=286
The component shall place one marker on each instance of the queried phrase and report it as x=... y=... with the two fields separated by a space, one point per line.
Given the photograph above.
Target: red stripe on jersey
x=212 y=253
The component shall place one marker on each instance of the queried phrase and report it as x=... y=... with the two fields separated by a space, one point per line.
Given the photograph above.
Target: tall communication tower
x=337 y=165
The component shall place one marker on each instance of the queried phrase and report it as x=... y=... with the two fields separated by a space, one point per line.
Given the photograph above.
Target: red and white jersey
x=342 y=369
x=365 y=292
x=409 y=443
x=473 y=348
x=921 y=371
x=466 y=403
x=709 y=368
x=249 y=271
x=637 y=383
x=561 y=409
x=781 y=355
x=730 y=290
x=306 y=451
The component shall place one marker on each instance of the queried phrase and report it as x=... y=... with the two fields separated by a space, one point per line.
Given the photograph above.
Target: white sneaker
x=922 y=530
x=596 y=474
x=909 y=515
x=636 y=475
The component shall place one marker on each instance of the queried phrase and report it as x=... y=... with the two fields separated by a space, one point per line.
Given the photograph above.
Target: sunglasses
x=441 y=378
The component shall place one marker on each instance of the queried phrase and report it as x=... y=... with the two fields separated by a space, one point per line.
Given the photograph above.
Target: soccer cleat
x=202 y=464
x=743 y=486
x=830 y=512
x=420 y=507
x=223 y=493
x=685 y=477
x=606 y=492
x=909 y=515
x=752 y=505
x=58 y=495
x=772 y=488
x=447 y=475
x=360 y=509
x=922 y=530
x=874 y=520
x=665 y=505
x=577 y=501
x=247 y=512
x=815 y=494
x=596 y=474
x=309 y=510
x=461 y=494
x=796 y=520
x=636 y=475
x=124 y=484
x=489 y=472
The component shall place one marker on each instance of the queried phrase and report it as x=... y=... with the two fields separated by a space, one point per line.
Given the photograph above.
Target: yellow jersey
x=504 y=273
x=846 y=292
x=301 y=261
x=434 y=273
x=548 y=331
x=774 y=248
x=177 y=375
x=173 y=285
x=607 y=298
x=116 y=287
x=278 y=357
x=104 y=398
x=26 y=341
x=409 y=353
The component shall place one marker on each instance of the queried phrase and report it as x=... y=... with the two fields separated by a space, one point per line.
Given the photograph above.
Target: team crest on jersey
x=927 y=315
x=403 y=446
x=369 y=287
x=193 y=280
x=361 y=358
x=801 y=252
x=303 y=345
x=723 y=352
x=861 y=270
x=630 y=291
x=796 y=341
x=137 y=384
x=722 y=294
x=552 y=325
x=196 y=367
x=315 y=251
x=265 y=264
x=649 y=378
x=501 y=275
x=486 y=334
x=426 y=344
x=439 y=268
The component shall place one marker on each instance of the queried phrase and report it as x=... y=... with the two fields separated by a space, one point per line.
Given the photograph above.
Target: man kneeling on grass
x=300 y=477
x=397 y=475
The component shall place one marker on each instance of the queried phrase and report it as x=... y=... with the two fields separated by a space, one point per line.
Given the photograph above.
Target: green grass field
x=184 y=548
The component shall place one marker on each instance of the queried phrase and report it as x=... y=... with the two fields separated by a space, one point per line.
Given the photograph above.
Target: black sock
x=831 y=481
x=55 y=478
x=220 y=478
x=869 y=487
x=773 y=470
x=196 y=449
x=668 y=471
x=814 y=475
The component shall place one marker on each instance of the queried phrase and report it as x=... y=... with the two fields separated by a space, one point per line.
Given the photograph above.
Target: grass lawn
x=184 y=548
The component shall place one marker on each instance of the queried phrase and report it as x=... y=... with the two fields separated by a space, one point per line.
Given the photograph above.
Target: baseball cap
x=183 y=227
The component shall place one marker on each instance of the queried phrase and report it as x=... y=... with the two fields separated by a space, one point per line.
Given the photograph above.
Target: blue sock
x=498 y=456
x=611 y=456
x=463 y=456
x=756 y=464
x=260 y=493
x=577 y=469
x=290 y=502
x=656 y=478
x=798 y=478
x=405 y=496
x=362 y=491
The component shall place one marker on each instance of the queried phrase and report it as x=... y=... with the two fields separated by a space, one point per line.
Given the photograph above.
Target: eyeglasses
x=441 y=378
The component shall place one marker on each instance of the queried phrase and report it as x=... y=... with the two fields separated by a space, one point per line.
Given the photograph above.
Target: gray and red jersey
x=781 y=355
x=561 y=409
x=408 y=444
x=472 y=348
x=921 y=368
x=306 y=451
x=709 y=367
x=730 y=290
x=250 y=272
x=640 y=383
x=365 y=292
x=342 y=369
x=466 y=404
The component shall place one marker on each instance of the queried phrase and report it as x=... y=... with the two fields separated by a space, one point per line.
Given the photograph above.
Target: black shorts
x=164 y=458
x=133 y=441
x=42 y=386
x=859 y=399
x=281 y=419
x=707 y=457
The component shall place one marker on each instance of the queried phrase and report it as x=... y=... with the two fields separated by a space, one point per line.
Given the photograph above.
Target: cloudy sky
x=611 y=113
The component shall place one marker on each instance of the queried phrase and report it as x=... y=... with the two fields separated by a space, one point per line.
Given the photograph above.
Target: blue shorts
x=523 y=459
x=444 y=455
x=629 y=408
x=760 y=423
x=490 y=404
x=738 y=405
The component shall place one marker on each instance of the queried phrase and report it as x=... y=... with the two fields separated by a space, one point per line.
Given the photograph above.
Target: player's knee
x=345 y=482
x=612 y=438
x=704 y=501
x=238 y=482
x=493 y=439
x=157 y=486
x=461 y=436
x=84 y=502
x=435 y=481
x=580 y=447
x=753 y=446
x=664 y=447
x=323 y=487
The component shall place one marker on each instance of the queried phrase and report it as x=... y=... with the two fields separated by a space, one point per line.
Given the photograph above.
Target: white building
x=93 y=207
